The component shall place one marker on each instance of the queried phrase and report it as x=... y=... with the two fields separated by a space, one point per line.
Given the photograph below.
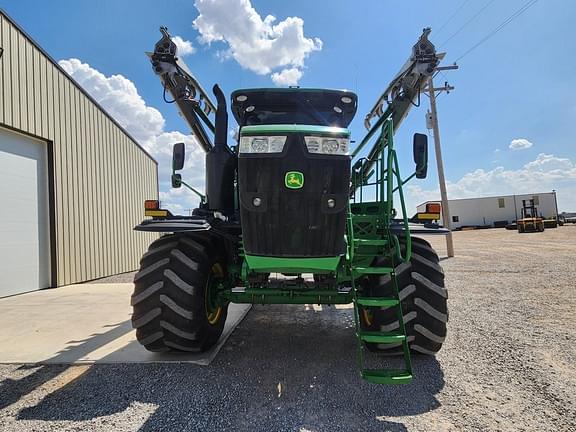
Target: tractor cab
x=293 y=175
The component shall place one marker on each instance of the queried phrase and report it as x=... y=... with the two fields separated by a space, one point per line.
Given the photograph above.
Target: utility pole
x=556 y=205
x=433 y=116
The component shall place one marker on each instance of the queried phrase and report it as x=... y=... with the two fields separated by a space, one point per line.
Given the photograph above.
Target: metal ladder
x=379 y=376
x=369 y=236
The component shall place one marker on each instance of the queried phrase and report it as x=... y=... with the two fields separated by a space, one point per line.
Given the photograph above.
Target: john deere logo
x=294 y=179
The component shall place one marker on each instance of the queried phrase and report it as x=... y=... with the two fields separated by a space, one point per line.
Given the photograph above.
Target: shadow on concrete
x=12 y=390
x=284 y=368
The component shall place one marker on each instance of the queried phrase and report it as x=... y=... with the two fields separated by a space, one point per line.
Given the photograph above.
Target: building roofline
x=486 y=197
x=61 y=69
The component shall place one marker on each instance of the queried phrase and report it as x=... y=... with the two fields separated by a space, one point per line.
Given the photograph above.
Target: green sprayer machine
x=292 y=214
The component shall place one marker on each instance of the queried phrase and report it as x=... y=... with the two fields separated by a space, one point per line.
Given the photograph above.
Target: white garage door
x=24 y=224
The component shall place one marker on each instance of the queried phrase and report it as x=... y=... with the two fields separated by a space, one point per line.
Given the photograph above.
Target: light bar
x=327 y=145
x=262 y=144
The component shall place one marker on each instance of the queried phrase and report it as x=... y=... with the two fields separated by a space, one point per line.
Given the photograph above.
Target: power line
x=452 y=16
x=467 y=22
x=508 y=20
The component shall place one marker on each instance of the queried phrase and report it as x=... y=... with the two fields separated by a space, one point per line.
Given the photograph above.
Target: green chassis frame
x=367 y=237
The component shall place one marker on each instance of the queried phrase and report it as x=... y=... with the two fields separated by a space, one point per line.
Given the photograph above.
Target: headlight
x=259 y=145
x=323 y=145
x=262 y=144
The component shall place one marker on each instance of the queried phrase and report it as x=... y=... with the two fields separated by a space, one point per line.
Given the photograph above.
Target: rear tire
x=171 y=300
x=423 y=297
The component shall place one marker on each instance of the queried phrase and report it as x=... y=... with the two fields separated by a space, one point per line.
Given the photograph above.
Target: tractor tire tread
x=168 y=301
x=424 y=307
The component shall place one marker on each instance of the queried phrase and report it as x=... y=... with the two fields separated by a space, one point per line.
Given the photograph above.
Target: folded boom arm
x=193 y=101
x=397 y=100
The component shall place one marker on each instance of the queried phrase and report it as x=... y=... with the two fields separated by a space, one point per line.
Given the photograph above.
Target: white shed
x=496 y=211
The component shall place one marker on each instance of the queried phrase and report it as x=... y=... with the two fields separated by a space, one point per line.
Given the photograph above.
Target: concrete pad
x=88 y=323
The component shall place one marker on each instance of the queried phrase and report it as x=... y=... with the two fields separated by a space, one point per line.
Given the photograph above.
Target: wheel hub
x=213 y=309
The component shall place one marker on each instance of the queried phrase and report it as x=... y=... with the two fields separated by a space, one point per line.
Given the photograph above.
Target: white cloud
x=179 y=201
x=520 y=144
x=119 y=97
x=552 y=165
x=255 y=43
x=545 y=173
x=287 y=77
x=185 y=47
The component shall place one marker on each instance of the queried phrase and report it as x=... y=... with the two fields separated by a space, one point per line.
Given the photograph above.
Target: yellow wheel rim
x=213 y=316
x=367 y=317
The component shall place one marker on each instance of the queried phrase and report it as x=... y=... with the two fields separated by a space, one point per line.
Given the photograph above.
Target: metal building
x=496 y=211
x=72 y=180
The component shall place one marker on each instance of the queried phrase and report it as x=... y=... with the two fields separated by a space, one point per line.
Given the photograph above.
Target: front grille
x=293 y=222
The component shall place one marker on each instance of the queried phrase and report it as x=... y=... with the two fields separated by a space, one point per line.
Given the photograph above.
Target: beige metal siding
x=101 y=176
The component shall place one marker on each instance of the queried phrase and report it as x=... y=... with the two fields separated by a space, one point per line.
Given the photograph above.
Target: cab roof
x=322 y=107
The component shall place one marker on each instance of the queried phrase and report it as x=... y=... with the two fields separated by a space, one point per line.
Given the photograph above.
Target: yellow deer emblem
x=294 y=180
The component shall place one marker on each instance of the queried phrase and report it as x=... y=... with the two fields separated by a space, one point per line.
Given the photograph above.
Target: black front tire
x=170 y=300
x=423 y=297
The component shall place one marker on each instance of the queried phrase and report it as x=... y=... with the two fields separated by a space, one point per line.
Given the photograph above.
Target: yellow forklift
x=530 y=221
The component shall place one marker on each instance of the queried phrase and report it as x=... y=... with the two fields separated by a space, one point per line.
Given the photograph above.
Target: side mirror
x=176 y=180
x=420 y=148
x=178 y=156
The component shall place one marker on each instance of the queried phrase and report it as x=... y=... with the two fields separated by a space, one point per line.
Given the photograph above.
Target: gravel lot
x=507 y=364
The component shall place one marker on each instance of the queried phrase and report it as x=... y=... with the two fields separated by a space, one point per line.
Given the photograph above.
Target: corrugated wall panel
x=86 y=185
x=2 y=73
x=30 y=103
x=61 y=182
x=124 y=184
x=14 y=77
x=83 y=226
x=108 y=246
x=98 y=180
x=22 y=85
x=114 y=217
x=71 y=200
x=43 y=91
x=101 y=176
x=92 y=208
x=55 y=135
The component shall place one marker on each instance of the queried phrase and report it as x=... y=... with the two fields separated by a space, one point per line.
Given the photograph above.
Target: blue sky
x=518 y=85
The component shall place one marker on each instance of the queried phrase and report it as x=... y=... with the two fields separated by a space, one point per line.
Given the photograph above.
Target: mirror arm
x=406 y=180
x=202 y=197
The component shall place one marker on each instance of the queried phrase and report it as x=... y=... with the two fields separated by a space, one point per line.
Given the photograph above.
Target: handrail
x=393 y=170
x=388 y=182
